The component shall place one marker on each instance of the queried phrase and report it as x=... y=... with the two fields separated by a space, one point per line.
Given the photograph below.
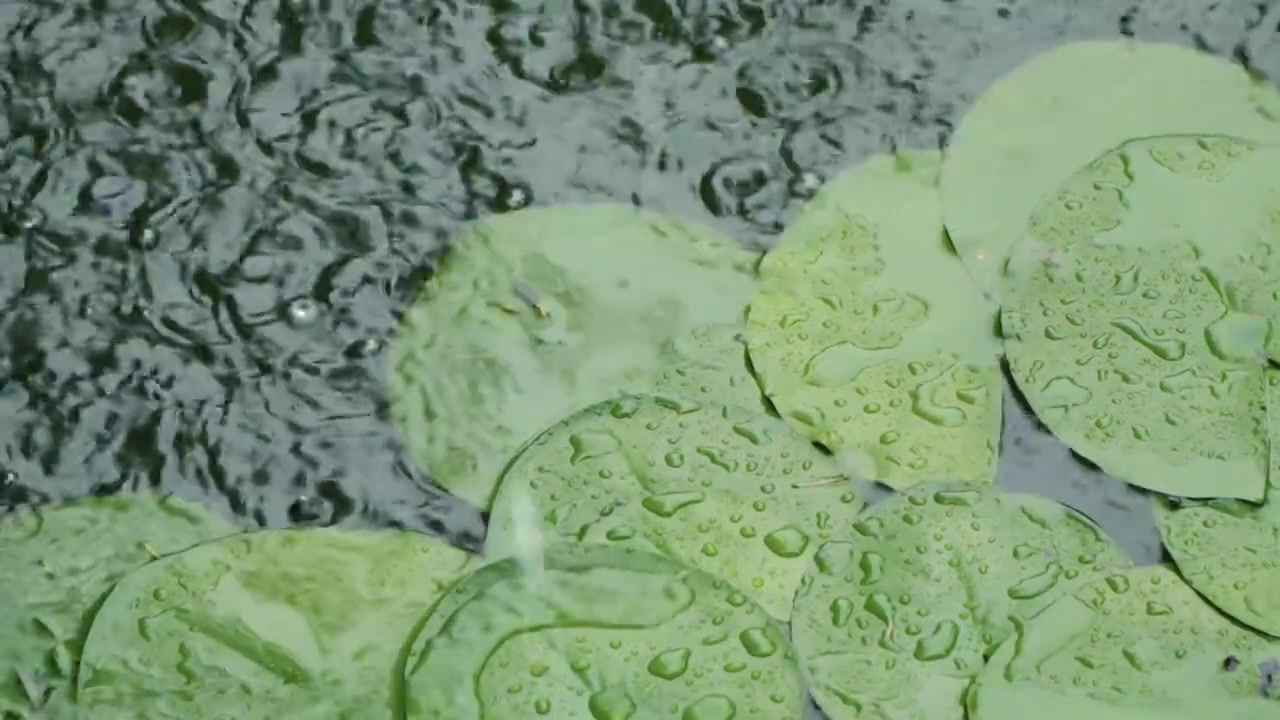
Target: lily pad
x=710 y=363
x=637 y=447
x=1137 y=645
x=58 y=561
x=869 y=337
x=895 y=621
x=760 y=538
x=1037 y=124
x=1229 y=555
x=1138 y=312
x=602 y=632
x=543 y=311
x=277 y=623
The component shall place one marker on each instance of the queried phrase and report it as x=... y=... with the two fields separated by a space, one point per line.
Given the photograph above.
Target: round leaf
x=277 y=623
x=1229 y=555
x=1137 y=645
x=759 y=538
x=601 y=633
x=1137 y=312
x=896 y=620
x=540 y=312
x=1037 y=125
x=634 y=447
x=870 y=338
x=58 y=561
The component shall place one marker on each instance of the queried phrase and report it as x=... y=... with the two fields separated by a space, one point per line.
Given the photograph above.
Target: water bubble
x=303 y=311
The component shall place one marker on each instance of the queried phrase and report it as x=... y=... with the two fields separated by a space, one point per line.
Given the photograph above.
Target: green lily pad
x=1138 y=645
x=601 y=632
x=759 y=538
x=870 y=338
x=1139 y=307
x=277 y=623
x=896 y=621
x=1037 y=125
x=710 y=363
x=58 y=561
x=1272 y=381
x=635 y=447
x=1230 y=556
x=540 y=312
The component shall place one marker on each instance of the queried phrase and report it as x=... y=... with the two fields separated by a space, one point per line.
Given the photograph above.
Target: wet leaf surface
x=299 y=623
x=1137 y=312
x=728 y=490
x=538 y=313
x=601 y=632
x=868 y=336
x=1032 y=128
x=894 y=620
x=1137 y=645
x=58 y=561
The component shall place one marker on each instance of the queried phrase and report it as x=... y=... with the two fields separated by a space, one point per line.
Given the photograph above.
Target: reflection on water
x=213 y=212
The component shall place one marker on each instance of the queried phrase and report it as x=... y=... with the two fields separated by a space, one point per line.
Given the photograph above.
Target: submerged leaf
x=539 y=312
x=269 y=624
x=869 y=337
x=613 y=633
x=731 y=491
x=894 y=621
x=1139 y=307
x=1036 y=125
x=58 y=561
x=1138 y=645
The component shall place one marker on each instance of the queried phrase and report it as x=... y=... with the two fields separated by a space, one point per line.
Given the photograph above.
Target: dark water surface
x=212 y=213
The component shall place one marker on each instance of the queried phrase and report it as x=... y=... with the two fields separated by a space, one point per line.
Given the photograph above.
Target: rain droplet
x=757 y=642
x=787 y=542
x=303 y=311
x=670 y=664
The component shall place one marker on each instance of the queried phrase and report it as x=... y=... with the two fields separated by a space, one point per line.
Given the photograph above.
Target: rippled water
x=213 y=212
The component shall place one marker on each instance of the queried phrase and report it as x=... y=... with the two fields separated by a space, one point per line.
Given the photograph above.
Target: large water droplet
x=711 y=707
x=757 y=642
x=611 y=704
x=787 y=542
x=590 y=444
x=668 y=504
x=671 y=664
x=940 y=643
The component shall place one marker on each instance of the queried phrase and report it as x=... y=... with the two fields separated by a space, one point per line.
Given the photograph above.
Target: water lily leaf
x=1037 y=124
x=710 y=363
x=1137 y=645
x=600 y=632
x=277 y=623
x=636 y=446
x=540 y=312
x=1138 y=312
x=58 y=561
x=895 y=621
x=869 y=337
x=760 y=537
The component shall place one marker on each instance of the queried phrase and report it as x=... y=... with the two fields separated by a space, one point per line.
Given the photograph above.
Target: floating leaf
x=683 y=478
x=1138 y=645
x=1037 y=124
x=540 y=312
x=894 y=621
x=270 y=624
x=1136 y=312
x=608 y=633
x=869 y=337
x=58 y=561
x=759 y=538
x=710 y=363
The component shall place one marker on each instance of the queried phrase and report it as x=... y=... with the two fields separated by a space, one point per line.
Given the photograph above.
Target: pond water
x=213 y=213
